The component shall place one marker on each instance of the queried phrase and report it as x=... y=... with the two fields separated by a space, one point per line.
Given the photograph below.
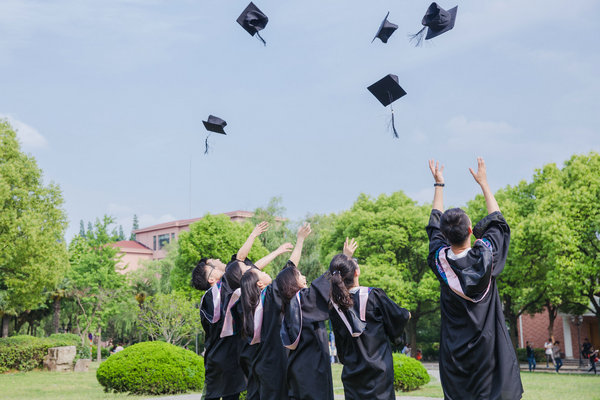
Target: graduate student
x=262 y=314
x=303 y=333
x=224 y=377
x=477 y=359
x=364 y=322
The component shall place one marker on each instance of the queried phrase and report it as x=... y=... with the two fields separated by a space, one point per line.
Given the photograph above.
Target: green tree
x=81 y=228
x=33 y=256
x=214 y=236
x=392 y=251
x=135 y=226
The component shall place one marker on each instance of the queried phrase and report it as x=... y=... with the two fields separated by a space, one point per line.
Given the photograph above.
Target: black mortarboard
x=437 y=20
x=387 y=90
x=253 y=20
x=385 y=30
x=214 y=124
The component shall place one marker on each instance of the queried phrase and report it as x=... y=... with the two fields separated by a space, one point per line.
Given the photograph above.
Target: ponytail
x=287 y=282
x=250 y=297
x=342 y=270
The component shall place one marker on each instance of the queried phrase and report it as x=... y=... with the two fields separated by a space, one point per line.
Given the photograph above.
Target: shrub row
x=152 y=368
x=540 y=355
x=24 y=352
x=409 y=374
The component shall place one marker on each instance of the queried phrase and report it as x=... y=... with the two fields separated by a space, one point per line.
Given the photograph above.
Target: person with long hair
x=224 y=377
x=303 y=332
x=477 y=358
x=364 y=322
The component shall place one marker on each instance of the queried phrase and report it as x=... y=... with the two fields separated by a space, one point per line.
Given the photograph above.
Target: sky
x=109 y=97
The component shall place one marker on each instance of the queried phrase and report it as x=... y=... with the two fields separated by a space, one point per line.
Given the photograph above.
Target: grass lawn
x=83 y=385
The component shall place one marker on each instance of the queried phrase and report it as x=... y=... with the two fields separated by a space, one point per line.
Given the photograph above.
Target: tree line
x=48 y=285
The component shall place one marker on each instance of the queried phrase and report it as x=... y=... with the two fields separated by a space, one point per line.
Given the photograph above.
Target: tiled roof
x=130 y=245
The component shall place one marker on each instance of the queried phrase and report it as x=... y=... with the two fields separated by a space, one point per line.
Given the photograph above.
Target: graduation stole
x=228 y=320
x=258 y=318
x=292 y=327
x=215 y=291
x=356 y=329
x=449 y=276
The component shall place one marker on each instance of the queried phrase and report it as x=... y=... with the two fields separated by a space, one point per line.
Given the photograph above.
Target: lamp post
x=578 y=320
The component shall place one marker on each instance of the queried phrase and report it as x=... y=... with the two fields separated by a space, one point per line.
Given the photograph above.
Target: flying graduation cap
x=437 y=20
x=385 y=30
x=253 y=20
x=214 y=124
x=387 y=90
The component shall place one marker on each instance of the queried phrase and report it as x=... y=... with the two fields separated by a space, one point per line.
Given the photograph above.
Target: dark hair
x=454 y=224
x=342 y=270
x=199 y=278
x=287 y=282
x=233 y=274
x=250 y=297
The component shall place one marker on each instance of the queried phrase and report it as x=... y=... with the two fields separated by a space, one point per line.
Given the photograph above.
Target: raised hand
x=350 y=246
x=436 y=171
x=260 y=228
x=285 y=248
x=304 y=231
x=481 y=175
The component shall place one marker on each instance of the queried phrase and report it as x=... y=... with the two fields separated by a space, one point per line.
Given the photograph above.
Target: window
x=162 y=240
x=154 y=241
x=172 y=236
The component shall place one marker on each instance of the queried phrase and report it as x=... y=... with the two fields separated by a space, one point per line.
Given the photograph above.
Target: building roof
x=131 y=246
x=186 y=222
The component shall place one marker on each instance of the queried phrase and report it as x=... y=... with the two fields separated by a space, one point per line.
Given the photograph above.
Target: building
x=150 y=241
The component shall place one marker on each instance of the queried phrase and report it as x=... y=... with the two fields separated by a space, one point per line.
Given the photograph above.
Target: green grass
x=83 y=385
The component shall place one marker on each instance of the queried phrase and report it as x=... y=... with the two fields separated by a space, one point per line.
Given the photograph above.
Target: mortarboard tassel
x=417 y=38
x=261 y=39
x=394 y=125
x=206 y=144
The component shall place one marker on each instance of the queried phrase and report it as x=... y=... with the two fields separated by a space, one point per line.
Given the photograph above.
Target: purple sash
x=215 y=290
x=363 y=296
x=228 y=320
x=297 y=308
x=450 y=276
x=258 y=318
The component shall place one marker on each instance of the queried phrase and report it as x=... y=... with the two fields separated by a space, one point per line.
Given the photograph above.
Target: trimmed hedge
x=24 y=352
x=409 y=374
x=540 y=355
x=104 y=352
x=152 y=368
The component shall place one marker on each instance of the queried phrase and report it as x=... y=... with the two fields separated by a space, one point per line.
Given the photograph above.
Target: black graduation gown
x=270 y=358
x=223 y=373
x=477 y=359
x=368 y=371
x=308 y=367
x=247 y=354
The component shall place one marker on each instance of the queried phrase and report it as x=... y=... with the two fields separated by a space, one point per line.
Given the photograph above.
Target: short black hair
x=454 y=224
x=199 y=278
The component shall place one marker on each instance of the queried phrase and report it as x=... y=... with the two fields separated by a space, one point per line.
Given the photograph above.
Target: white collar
x=462 y=254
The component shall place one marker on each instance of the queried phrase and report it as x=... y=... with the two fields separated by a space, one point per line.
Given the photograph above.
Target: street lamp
x=578 y=320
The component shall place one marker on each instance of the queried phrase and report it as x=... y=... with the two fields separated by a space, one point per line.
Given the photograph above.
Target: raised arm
x=350 y=246
x=481 y=179
x=266 y=260
x=438 y=195
x=247 y=246
x=303 y=232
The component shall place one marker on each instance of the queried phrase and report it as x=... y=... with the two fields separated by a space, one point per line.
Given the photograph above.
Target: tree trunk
x=512 y=320
x=56 y=315
x=412 y=334
x=552 y=313
x=99 y=345
x=5 y=322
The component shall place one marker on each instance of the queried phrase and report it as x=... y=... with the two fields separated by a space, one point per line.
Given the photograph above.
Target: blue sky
x=109 y=97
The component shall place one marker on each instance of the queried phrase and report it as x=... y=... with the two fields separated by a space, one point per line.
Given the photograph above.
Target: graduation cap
x=253 y=20
x=385 y=30
x=214 y=124
x=437 y=20
x=387 y=90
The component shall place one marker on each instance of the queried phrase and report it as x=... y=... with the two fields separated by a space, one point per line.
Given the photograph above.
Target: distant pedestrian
x=557 y=358
x=593 y=360
x=530 y=357
x=586 y=348
x=549 y=357
x=419 y=355
x=406 y=350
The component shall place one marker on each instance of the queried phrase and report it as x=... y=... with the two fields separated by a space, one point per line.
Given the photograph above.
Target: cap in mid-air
x=385 y=30
x=213 y=124
x=387 y=90
x=436 y=21
x=253 y=20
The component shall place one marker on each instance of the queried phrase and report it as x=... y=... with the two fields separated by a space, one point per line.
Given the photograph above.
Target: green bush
x=409 y=374
x=152 y=368
x=540 y=355
x=104 y=352
x=24 y=352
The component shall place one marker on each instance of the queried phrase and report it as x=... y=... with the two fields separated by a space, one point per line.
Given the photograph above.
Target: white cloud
x=28 y=135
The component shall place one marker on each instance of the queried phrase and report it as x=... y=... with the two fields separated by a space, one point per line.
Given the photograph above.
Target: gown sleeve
x=494 y=230
x=436 y=239
x=393 y=316
x=315 y=299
